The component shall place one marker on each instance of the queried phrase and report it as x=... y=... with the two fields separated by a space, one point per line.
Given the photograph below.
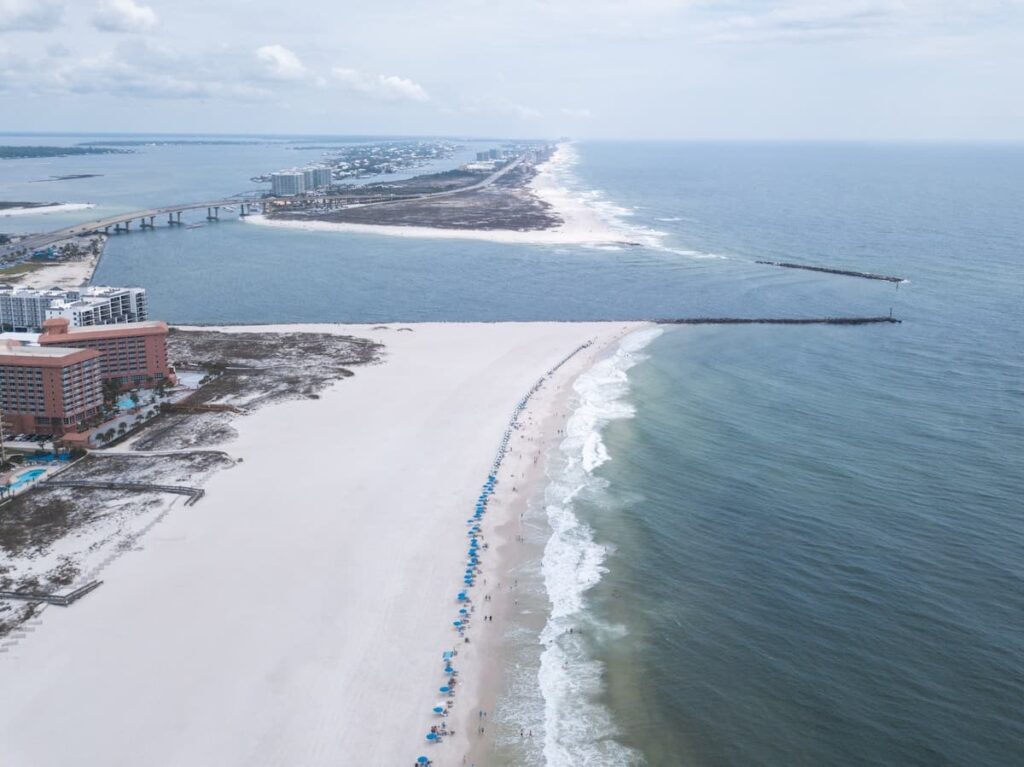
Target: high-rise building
x=134 y=355
x=321 y=177
x=25 y=310
x=287 y=183
x=49 y=389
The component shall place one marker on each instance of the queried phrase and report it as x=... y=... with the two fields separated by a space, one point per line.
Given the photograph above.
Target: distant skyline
x=753 y=69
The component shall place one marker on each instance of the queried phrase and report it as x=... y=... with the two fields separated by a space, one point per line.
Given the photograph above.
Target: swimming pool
x=26 y=477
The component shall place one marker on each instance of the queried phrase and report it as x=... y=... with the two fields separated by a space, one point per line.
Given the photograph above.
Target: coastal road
x=448 y=192
x=37 y=241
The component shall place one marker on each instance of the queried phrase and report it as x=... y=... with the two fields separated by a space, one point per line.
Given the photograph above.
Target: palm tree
x=111 y=389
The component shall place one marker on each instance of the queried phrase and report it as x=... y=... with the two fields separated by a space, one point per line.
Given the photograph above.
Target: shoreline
x=63 y=274
x=265 y=611
x=543 y=424
x=43 y=210
x=581 y=224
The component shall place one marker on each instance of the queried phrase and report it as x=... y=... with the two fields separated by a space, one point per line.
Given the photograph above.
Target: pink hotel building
x=56 y=386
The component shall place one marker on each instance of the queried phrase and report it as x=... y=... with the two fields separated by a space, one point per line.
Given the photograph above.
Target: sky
x=875 y=70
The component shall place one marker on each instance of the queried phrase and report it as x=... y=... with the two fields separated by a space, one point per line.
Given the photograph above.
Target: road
x=37 y=241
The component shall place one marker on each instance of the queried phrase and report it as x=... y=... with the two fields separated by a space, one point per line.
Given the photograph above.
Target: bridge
x=147 y=219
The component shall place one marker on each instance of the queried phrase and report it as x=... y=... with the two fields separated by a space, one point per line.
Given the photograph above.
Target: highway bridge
x=147 y=219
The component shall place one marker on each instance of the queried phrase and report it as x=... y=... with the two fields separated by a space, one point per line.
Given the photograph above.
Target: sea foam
x=577 y=728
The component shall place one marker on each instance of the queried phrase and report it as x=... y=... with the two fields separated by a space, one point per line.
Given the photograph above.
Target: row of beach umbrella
x=473 y=554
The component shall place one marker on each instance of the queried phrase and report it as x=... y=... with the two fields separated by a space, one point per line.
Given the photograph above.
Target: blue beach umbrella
x=446 y=689
x=463 y=611
x=422 y=760
x=448 y=670
x=438 y=709
x=456 y=623
x=447 y=654
x=431 y=736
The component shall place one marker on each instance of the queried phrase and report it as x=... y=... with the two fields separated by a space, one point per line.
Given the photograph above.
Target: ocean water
x=787 y=546
x=774 y=545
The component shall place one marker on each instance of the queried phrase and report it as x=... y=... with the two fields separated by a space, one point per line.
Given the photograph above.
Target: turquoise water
x=26 y=477
x=803 y=543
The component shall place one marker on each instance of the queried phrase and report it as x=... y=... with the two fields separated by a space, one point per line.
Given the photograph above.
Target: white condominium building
x=24 y=309
x=287 y=183
x=321 y=177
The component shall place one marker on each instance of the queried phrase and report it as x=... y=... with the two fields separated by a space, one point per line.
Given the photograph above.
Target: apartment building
x=49 y=390
x=134 y=354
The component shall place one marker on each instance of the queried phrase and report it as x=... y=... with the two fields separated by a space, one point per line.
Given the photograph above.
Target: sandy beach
x=582 y=223
x=62 y=274
x=298 y=613
x=42 y=210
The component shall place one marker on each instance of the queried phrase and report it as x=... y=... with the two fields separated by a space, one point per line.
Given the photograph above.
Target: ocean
x=775 y=545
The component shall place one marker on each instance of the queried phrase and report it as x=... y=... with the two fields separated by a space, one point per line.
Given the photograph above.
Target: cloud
x=384 y=87
x=137 y=69
x=576 y=114
x=800 y=21
x=280 y=63
x=124 y=16
x=30 y=15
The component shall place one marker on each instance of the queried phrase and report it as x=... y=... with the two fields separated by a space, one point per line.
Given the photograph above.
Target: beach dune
x=297 y=614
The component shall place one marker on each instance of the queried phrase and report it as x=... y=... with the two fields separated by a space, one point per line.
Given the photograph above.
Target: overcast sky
x=731 y=69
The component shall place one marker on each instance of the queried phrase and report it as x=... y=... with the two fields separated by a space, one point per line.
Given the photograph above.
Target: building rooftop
x=13 y=352
x=56 y=329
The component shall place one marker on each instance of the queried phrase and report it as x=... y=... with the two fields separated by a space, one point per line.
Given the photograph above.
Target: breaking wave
x=577 y=728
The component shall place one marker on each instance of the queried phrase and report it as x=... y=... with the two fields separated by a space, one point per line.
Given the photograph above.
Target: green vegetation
x=19 y=269
x=24 y=152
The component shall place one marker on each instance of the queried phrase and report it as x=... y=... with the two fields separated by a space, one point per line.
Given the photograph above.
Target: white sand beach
x=42 y=210
x=297 y=614
x=582 y=223
x=62 y=274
